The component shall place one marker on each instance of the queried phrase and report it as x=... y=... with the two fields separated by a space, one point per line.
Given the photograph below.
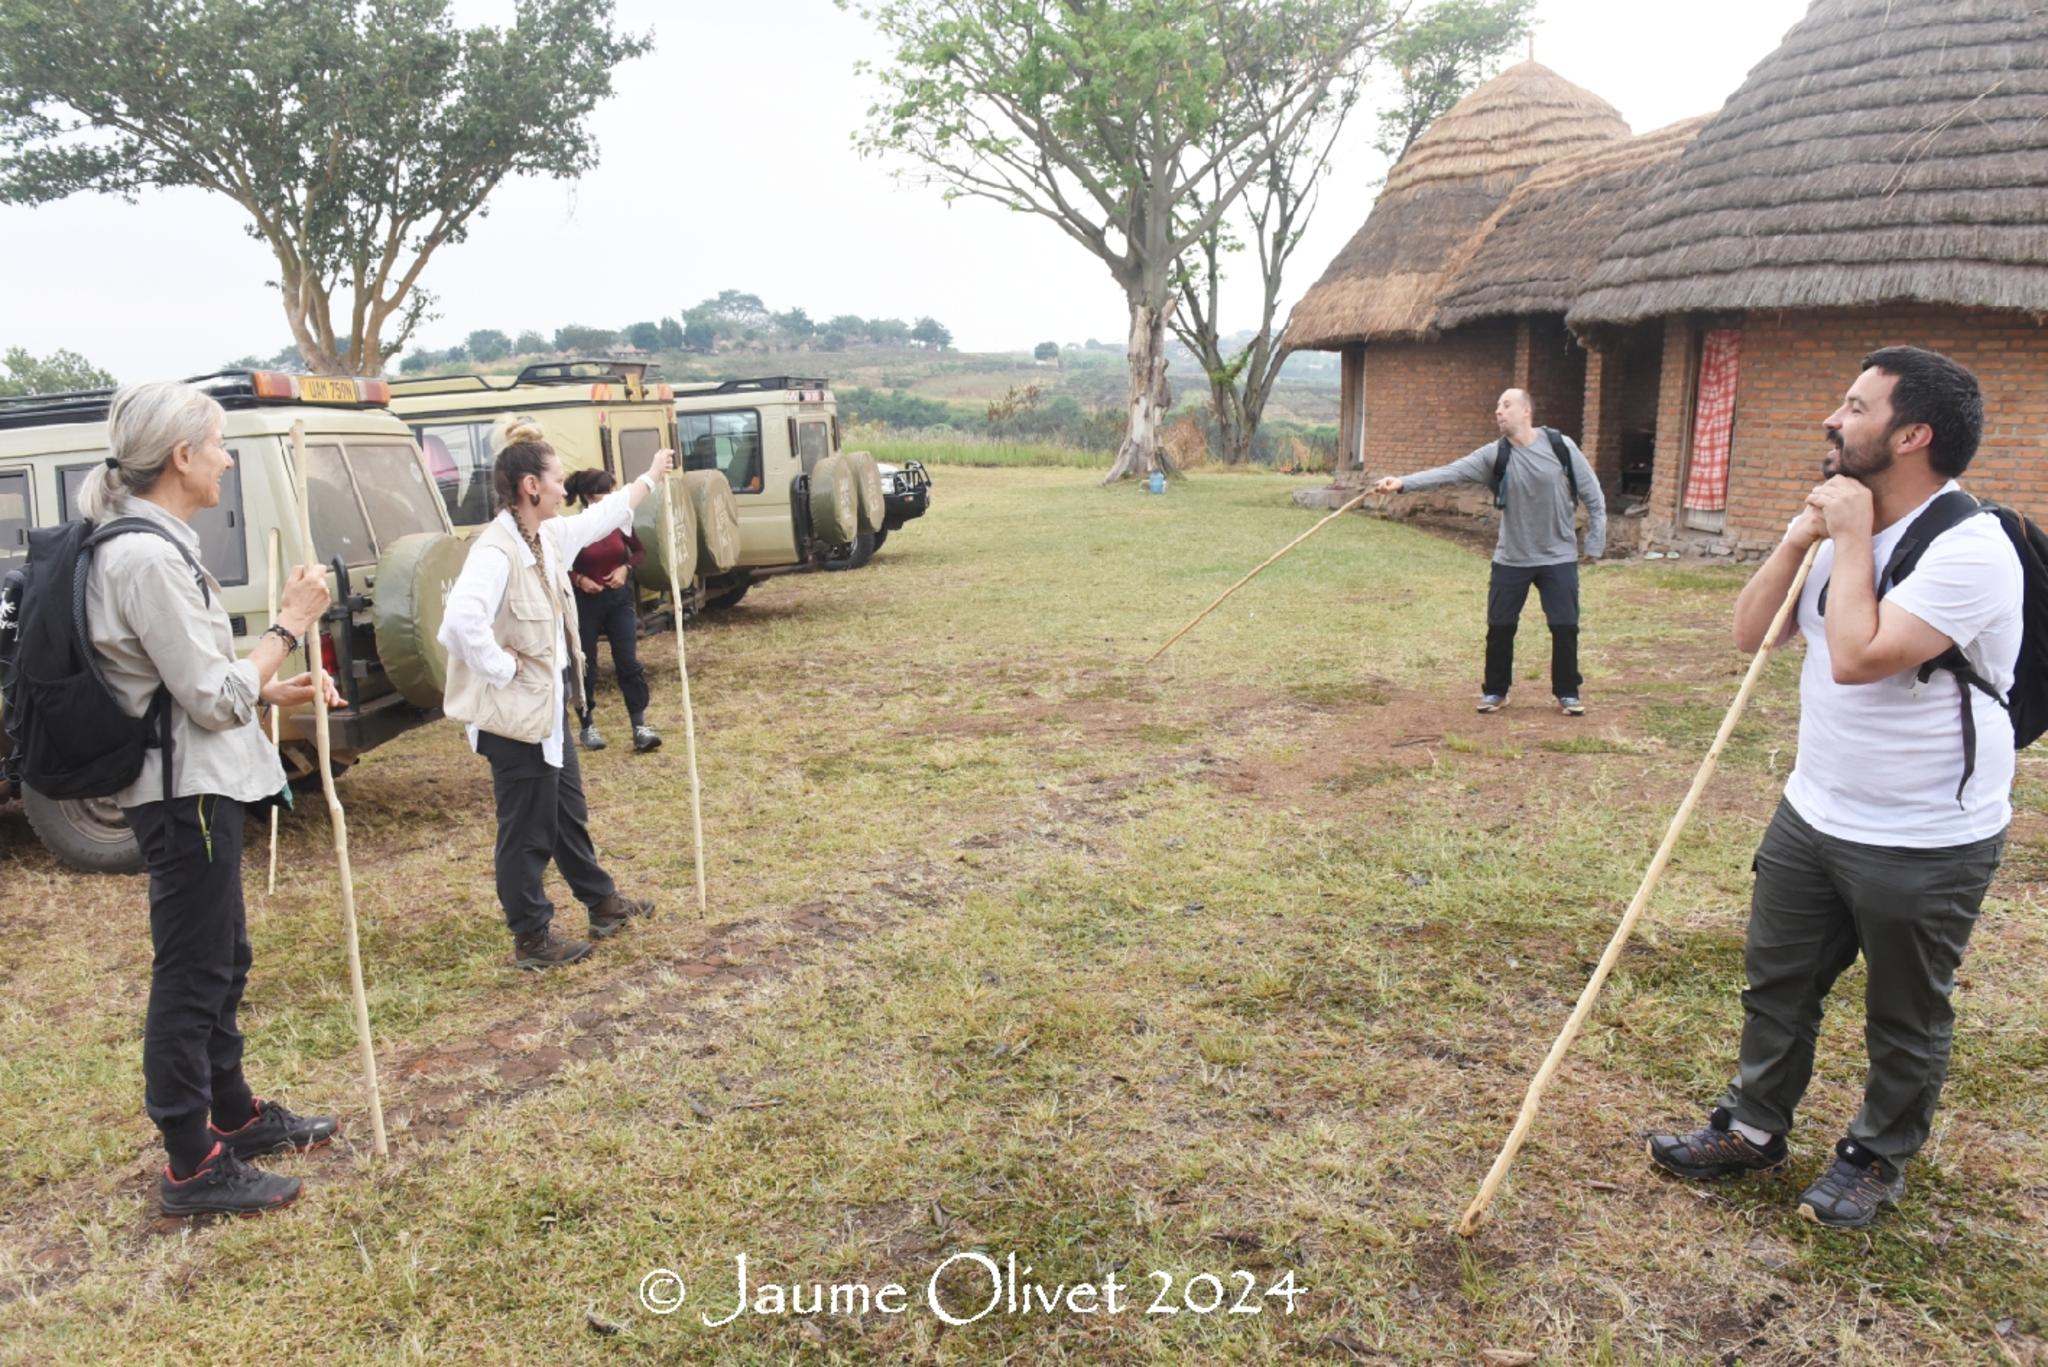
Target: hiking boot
x=1571 y=707
x=1715 y=1151
x=540 y=949
x=645 y=738
x=609 y=916
x=1492 y=702
x=274 y=1129
x=589 y=737
x=1852 y=1191
x=224 y=1185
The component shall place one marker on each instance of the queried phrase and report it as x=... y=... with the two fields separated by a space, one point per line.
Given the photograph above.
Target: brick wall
x=1794 y=369
x=1556 y=375
x=1428 y=403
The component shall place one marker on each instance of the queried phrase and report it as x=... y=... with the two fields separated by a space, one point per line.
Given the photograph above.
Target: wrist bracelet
x=283 y=633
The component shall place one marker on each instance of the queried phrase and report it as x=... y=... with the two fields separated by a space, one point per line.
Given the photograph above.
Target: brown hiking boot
x=1714 y=1151
x=541 y=949
x=608 y=916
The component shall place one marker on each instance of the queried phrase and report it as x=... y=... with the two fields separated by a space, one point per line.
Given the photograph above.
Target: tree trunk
x=1141 y=452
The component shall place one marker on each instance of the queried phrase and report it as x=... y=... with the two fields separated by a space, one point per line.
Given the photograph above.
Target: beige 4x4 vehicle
x=377 y=524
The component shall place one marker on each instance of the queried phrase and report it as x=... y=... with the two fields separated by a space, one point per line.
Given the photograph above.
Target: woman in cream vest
x=514 y=663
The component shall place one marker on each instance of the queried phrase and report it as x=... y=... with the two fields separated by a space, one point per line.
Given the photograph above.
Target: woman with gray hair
x=157 y=629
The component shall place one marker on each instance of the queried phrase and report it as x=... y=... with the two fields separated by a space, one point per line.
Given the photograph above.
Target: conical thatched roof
x=1889 y=150
x=1386 y=281
x=1531 y=256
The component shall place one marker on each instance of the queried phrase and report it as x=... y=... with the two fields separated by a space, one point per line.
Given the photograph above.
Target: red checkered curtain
x=1713 y=421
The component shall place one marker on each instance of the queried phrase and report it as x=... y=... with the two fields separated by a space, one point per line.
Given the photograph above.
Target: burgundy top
x=600 y=558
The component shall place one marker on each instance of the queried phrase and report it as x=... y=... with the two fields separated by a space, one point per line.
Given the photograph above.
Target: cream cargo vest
x=527 y=625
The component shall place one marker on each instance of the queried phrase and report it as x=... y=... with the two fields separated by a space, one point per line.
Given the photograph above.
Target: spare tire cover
x=413 y=578
x=867 y=475
x=835 y=501
x=653 y=570
x=718 y=522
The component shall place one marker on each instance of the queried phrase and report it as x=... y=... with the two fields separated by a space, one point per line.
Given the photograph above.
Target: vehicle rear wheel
x=854 y=554
x=87 y=834
x=727 y=598
x=881 y=536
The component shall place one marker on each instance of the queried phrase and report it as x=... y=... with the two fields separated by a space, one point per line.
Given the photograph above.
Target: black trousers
x=1819 y=902
x=191 y=1045
x=615 y=613
x=1507 y=590
x=542 y=815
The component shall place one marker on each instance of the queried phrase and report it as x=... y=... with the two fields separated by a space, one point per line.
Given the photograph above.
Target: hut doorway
x=1642 y=373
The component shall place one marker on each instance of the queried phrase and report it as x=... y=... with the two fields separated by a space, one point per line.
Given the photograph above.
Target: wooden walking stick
x=274 y=567
x=1254 y=574
x=675 y=589
x=1470 y=1223
x=324 y=743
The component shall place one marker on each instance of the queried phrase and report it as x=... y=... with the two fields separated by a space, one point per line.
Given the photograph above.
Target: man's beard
x=1858 y=465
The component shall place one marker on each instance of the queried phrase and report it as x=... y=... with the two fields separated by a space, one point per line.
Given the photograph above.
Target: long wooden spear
x=274 y=567
x=324 y=744
x=1469 y=1225
x=1254 y=574
x=675 y=589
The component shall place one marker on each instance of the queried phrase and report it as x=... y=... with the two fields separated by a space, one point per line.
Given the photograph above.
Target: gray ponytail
x=145 y=423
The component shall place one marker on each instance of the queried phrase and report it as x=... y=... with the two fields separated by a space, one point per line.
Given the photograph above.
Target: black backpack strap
x=159 y=709
x=1564 y=458
x=1947 y=511
x=1500 y=472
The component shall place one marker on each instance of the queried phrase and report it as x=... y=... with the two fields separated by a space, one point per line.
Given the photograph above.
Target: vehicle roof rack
x=541 y=372
x=231 y=388
x=756 y=385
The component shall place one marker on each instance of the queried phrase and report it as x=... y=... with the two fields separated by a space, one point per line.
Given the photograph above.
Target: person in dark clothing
x=605 y=604
x=155 y=624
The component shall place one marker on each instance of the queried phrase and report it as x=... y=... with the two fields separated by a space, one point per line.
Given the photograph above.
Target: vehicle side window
x=394 y=488
x=459 y=459
x=223 y=540
x=637 y=446
x=14 y=518
x=338 y=525
x=70 y=482
x=813 y=443
x=727 y=442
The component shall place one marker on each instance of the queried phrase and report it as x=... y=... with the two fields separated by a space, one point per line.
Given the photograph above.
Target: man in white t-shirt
x=1888 y=833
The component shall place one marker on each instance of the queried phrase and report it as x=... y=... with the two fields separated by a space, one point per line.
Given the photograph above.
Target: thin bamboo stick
x=335 y=816
x=675 y=589
x=1248 y=578
x=1469 y=1225
x=274 y=568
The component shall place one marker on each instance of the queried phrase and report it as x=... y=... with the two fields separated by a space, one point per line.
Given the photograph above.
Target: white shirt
x=480 y=591
x=1879 y=762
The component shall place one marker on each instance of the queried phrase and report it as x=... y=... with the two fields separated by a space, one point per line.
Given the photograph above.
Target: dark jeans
x=1818 y=902
x=1506 y=592
x=615 y=613
x=542 y=815
x=191 y=1046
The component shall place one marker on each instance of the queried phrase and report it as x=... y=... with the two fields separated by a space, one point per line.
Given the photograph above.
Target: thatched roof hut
x=1888 y=151
x=1532 y=254
x=1387 y=281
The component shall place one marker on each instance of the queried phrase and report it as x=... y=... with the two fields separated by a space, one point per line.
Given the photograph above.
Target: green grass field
x=1231 y=968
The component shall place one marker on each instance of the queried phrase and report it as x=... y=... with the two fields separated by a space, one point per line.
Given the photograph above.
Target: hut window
x=1713 y=421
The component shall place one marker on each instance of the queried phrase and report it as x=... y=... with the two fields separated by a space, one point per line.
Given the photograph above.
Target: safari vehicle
x=377 y=525
x=803 y=502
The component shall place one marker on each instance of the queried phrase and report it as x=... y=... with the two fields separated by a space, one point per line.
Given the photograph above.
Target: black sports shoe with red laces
x=274 y=1129
x=224 y=1185
x=1853 y=1189
x=1714 y=1151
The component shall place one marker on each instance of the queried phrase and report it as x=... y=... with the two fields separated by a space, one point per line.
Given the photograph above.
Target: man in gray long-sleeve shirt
x=1538 y=544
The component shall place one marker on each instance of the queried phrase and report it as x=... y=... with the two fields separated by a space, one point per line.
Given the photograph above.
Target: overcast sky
x=728 y=163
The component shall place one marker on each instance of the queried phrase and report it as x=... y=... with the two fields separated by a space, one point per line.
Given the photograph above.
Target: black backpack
x=2028 y=705
x=1557 y=448
x=68 y=737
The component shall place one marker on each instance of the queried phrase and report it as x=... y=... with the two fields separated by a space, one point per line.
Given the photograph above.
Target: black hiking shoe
x=609 y=916
x=274 y=1129
x=645 y=738
x=540 y=949
x=225 y=1185
x=1714 y=1151
x=1852 y=1191
x=590 y=738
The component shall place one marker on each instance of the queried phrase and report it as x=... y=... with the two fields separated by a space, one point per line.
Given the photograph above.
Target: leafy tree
x=795 y=326
x=700 y=332
x=646 y=336
x=576 y=337
x=489 y=344
x=831 y=339
x=1440 y=56
x=671 y=335
x=1046 y=351
x=888 y=331
x=52 y=374
x=848 y=325
x=932 y=333
x=1103 y=117
x=416 y=362
x=529 y=343
x=360 y=137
